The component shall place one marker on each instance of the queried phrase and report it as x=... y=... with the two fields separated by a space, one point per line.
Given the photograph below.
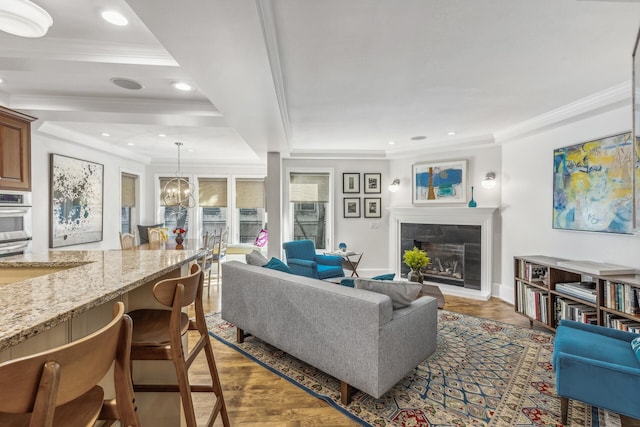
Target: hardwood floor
x=257 y=397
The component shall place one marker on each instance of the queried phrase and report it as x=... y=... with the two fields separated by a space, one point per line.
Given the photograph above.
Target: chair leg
x=564 y=409
x=215 y=381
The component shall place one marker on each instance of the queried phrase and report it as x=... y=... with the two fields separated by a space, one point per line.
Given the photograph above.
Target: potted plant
x=415 y=259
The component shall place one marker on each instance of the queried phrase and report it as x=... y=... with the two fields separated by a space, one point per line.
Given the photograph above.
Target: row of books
x=532 y=302
x=615 y=322
x=532 y=272
x=574 y=310
x=622 y=297
x=583 y=290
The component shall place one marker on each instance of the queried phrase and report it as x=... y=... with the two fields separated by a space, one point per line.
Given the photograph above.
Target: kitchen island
x=54 y=297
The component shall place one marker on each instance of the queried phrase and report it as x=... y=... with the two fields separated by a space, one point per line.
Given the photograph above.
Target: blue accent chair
x=303 y=260
x=596 y=365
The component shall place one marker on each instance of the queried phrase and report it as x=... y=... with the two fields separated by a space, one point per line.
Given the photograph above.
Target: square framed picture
x=439 y=182
x=372 y=207
x=351 y=182
x=352 y=207
x=372 y=183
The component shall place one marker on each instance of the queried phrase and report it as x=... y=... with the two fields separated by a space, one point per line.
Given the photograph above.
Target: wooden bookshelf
x=611 y=300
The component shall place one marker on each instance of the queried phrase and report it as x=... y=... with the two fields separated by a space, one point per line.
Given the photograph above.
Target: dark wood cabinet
x=15 y=150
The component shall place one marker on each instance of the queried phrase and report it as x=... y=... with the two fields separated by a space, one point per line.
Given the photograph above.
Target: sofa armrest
x=303 y=267
x=301 y=263
x=600 y=330
x=329 y=260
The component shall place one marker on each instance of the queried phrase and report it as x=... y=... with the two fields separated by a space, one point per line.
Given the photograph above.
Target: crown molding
x=337 y=155
x=441 y=145
x=88 y=51
x=613 y=97
x=270 y=36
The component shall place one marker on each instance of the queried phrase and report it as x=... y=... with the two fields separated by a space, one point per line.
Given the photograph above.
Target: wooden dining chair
x=155 y=235
x=127 y=241
x=220 y=252
x=59 y=387
x=157 y=335
x=210 y=242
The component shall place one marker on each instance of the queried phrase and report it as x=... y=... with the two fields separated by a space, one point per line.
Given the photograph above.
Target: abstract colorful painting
x=593 y=185
x=443 y=182
x=76 y=201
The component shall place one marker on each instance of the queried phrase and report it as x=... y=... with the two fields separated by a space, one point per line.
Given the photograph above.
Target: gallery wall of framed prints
x=353 y=207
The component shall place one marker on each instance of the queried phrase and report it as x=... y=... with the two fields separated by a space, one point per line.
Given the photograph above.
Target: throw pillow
x=143 y=232
x=401 y=293
x=388 y=276
x=635 y=345
x=256 y=258
x=348 y=281
x=275 y=264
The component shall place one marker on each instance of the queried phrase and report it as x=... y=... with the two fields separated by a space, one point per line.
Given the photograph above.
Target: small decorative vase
x=179 y=239
x=472 y=203
x=415 y=276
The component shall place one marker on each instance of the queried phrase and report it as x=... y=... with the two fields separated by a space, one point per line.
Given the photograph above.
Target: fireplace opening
x=454 y=251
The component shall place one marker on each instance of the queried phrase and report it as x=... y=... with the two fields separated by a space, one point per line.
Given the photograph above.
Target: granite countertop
x=95 y=277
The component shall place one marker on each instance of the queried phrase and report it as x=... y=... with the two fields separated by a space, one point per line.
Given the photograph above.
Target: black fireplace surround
x=454 y=251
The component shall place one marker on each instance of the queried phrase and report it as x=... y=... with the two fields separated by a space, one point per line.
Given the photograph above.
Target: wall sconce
x=394 y=186
x=489 y=180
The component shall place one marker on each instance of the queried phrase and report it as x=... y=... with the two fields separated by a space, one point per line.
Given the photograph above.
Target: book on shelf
x=583 y=290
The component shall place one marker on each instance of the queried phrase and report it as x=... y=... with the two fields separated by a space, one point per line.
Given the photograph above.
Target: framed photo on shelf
x=372 y=207
x=372 y=183
x=352 y=207
x=439 y=182
x=351 y=182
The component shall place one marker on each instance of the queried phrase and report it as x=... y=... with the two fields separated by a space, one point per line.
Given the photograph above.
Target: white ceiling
x=311 y=78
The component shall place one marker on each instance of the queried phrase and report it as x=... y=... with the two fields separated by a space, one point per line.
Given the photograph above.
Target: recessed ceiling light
x=451 y=132
x=418 y=138
x=130 y=143
x=182 y=86
x=115 y=18
x=190 y=150
x=1 y=80
x=126 y=83
x=162 y=135
x=105 y=134
x=392 y=143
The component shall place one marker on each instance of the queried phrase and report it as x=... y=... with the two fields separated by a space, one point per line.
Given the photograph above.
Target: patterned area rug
x=483 y=373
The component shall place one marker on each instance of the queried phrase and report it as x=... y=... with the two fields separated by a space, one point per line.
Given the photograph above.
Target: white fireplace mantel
x=484 y=217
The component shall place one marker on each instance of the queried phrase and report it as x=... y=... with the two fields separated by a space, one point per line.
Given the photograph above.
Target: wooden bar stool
x=157 y=335
x=59 y=387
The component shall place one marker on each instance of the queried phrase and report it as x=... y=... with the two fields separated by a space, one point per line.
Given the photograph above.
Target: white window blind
x=308 y=187
x=128 y=191
x=212 y=192
x=250 y=193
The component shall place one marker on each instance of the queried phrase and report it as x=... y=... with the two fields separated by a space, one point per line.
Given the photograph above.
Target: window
x=309 y=198
x=250 y=205
x=127 y=201
x=212 y=198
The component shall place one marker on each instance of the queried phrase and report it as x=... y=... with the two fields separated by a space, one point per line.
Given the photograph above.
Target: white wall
x=527 y=200
x=360 y=234
x=41 y=147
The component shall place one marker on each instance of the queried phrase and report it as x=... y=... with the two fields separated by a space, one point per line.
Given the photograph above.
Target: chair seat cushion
x=327 y=271
x=151 y=326
x=594 y=346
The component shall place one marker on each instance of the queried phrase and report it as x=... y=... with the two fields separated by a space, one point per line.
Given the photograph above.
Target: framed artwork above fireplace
x=439 y=182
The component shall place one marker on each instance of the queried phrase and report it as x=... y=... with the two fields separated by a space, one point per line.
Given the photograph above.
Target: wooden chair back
x=42 y=382
x=155 y=235
x=224 y=241
x=127 y=240
x=166 y=291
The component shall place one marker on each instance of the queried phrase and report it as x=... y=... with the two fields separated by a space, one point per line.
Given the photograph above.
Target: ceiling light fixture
x=392 y=143
x=105 y=134
x=1 y=80
x=130 y=143
x=451 y=132
x=115 y=18
x=395 y=185
x=24 y=18
x=178 y=191
x=489 y=180
x=182 y=86
x=162 y=135
x=418 y=138
x=126 y=83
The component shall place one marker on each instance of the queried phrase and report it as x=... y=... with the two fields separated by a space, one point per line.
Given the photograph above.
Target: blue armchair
x=303 y=260
x=598 y=366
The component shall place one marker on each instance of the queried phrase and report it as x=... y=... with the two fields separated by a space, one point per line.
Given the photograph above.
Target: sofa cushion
x=635 y=345
x=143 y=232
x=275 y=264
x=256 y=258
x=401 y=293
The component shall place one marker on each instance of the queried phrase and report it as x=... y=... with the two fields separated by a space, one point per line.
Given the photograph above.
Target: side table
x=350 y=260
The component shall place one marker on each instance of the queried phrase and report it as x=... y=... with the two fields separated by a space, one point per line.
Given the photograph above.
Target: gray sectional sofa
x=351 y=334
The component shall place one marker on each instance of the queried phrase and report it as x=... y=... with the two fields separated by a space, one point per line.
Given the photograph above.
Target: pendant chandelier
x=178 y=191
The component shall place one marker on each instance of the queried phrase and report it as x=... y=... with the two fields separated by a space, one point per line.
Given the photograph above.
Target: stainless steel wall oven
x=15 y=223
